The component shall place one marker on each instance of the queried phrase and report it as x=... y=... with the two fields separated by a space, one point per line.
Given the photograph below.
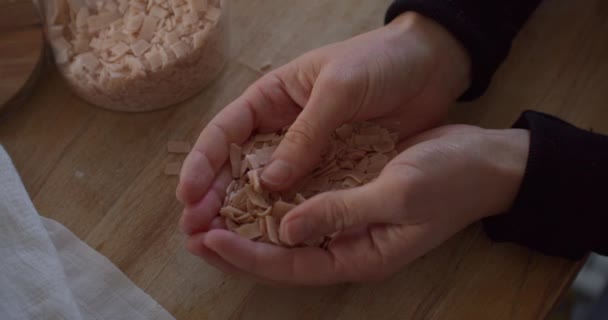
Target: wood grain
x=21 y=50
x=16 y=14
x=100 y=173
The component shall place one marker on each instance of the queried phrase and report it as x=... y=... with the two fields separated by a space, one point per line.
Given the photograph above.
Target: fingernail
x=276 y=173
x=297 y=231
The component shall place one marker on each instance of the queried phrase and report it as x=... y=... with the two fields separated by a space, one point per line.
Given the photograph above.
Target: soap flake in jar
x=167 y=50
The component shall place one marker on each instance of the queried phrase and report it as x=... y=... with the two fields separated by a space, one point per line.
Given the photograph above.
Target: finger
x=367 y=254
x=340 y=210
x=196 y=246
x=378 y=251
x=197 y=216
x=328 y=107
x=299 y=266
x=217 y=223
x=264 y=105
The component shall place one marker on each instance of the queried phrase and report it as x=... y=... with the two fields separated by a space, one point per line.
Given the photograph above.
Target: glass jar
x=137 y=55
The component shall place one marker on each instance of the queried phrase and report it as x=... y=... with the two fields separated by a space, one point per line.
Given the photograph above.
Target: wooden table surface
x=21 y=50
x=100 y=172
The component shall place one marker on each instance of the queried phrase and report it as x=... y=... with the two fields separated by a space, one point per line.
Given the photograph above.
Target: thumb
x=339 y=210
x=300 y=150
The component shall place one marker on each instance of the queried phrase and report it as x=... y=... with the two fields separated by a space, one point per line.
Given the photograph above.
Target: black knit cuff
x=561 y=207
x=486 y=48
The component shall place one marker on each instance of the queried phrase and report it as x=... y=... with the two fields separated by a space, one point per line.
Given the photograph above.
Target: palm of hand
x=421 y=198
x=399 y=75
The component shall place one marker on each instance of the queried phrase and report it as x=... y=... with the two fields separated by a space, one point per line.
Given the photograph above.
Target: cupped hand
x=445 y=179
x=406 y=73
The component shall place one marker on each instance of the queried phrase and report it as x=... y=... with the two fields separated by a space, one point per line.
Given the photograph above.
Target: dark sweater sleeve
x=486 y=29
x=562 y=205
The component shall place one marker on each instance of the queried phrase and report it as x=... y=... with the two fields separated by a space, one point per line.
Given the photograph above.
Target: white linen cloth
x=46 y=272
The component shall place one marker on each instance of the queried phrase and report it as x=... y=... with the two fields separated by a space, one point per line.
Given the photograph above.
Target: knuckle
x=261 y=93
x=337 y=213
x=301 y=133
x=348 y=83
x=405 y=183
x=185 y=189
x=337 y=77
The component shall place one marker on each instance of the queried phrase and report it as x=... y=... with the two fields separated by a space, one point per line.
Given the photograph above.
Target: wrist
x=451 y=61
x=507 y=159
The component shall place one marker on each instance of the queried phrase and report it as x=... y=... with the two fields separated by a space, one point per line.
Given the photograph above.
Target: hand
x=445 y=179
x=407 y=72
